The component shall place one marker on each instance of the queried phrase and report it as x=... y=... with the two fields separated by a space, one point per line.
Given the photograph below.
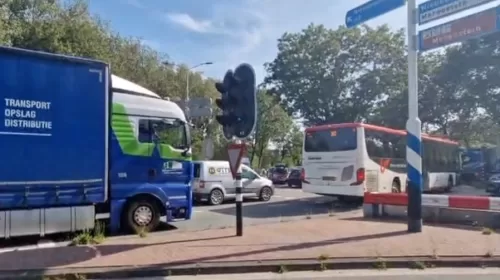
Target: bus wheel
x=396 y=186
x=142 y=215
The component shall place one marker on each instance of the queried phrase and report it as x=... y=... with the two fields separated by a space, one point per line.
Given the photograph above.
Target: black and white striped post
x=235 y=153
x=238 y=184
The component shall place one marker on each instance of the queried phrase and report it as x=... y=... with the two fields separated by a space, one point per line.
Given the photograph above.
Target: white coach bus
x=346 y=160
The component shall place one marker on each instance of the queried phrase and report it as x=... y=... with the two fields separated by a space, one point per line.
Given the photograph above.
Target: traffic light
x=226 y=104
x=238 y=102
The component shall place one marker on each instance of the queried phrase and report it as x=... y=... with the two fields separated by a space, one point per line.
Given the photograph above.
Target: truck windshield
x=171 y=132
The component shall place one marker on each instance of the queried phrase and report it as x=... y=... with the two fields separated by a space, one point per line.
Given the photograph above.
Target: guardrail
x=440 y=209
x=435 y=200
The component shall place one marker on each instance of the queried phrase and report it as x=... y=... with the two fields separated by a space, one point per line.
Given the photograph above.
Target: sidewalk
x=305 y=239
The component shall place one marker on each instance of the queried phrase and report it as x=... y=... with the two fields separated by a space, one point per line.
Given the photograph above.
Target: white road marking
x=284 y=197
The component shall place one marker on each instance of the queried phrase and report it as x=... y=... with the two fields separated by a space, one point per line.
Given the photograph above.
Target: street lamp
x=186 y=98
x=186 y=103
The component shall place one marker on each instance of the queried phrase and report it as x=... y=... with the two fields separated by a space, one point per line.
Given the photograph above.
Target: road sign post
x=413 y=127
x=208 y=148
x=369 y=11
x=235 y=154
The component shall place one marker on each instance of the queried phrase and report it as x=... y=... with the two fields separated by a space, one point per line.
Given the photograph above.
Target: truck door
x=167 y=160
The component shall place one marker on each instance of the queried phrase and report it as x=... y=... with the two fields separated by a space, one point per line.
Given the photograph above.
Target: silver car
x=213 y=183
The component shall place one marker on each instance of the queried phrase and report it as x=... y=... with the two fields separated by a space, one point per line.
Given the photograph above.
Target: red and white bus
x=349 y=159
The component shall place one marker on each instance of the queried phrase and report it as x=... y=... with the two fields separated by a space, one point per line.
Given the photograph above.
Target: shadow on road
x=290 y=208
x=66 y=256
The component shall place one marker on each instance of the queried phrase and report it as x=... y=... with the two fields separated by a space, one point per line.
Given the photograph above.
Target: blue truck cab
x=80 y=145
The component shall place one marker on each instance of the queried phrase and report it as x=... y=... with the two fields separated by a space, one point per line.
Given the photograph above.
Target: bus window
x=374 y=144
x=335 y=140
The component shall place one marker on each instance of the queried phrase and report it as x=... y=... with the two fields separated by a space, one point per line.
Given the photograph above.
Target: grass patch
x=142 y=232
x=282 y=269
x=380 y=264
x=323 y=266
x=90 y=237
x=323 y=257
x=418 y=265
x=65 y=277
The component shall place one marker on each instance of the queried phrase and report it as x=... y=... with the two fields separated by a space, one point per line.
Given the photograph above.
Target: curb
x=234 y=267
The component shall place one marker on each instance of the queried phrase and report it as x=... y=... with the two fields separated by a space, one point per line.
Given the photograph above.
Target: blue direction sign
x=370 y=10
x=475 y=25
x=436 y=9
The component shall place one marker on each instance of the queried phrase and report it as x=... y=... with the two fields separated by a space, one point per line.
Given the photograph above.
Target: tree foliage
x=346 y=75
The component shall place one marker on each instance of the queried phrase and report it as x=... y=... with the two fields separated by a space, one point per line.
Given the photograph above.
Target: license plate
x=329 y=178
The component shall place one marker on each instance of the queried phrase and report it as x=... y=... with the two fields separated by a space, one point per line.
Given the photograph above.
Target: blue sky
x=228 y=32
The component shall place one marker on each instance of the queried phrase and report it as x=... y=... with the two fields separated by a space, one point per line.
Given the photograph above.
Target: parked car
x=493 y=187
x=279 y=175
x=214 y=184
x=295 y=178
x=270 y=173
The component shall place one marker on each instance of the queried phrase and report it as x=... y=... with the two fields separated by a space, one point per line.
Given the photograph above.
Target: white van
x=213 y=183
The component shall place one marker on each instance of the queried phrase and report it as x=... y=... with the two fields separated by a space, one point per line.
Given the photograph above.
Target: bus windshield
x=332 y=140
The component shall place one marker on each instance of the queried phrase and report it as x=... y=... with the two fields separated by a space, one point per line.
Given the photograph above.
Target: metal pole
x=238 y=184
x=186 y=99
x=413 y=128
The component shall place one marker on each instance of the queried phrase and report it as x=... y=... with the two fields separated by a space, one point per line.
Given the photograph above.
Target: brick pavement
x=288 y=240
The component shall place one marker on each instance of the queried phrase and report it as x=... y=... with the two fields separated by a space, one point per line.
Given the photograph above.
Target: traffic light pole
x=238 y=184
x=238 y=104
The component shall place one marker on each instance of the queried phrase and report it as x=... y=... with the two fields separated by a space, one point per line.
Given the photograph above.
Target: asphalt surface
x=287 y=204
x=392 y=274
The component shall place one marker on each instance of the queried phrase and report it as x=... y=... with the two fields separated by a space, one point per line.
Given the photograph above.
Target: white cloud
x=188 y=22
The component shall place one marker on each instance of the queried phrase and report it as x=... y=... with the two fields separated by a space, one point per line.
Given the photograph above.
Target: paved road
x=287 y=204
x=468 y=190
x=393 y=274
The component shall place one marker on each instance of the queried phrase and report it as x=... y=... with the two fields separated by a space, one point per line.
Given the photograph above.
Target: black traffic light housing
x=226 y=104
x=238 y=102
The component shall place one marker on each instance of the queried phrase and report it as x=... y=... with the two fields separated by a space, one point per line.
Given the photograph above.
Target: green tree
x=272 y=124
x=338 y=75
x=290 y=146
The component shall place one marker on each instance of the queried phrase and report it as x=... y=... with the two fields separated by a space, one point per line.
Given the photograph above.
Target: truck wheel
x=216 y=197
x=142 y=215
x=265 y=194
